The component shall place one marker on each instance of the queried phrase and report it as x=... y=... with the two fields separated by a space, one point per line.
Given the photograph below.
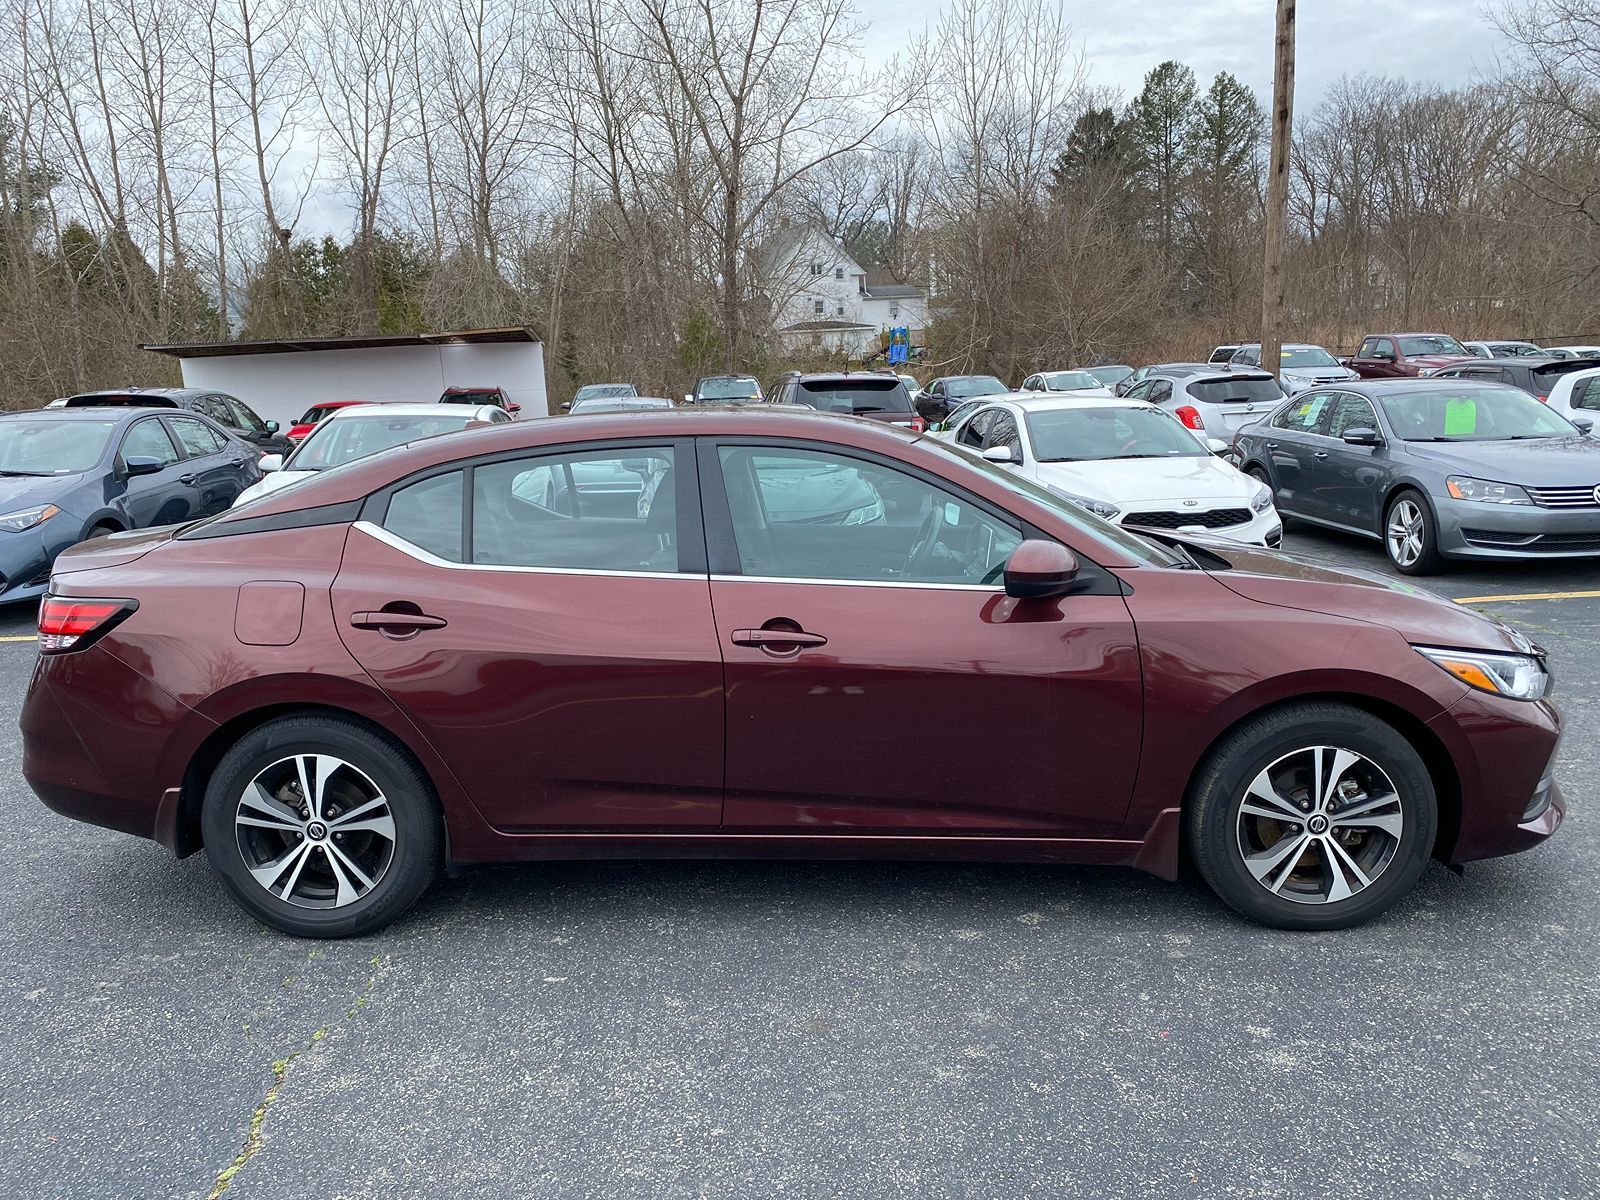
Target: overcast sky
x=1440 y=41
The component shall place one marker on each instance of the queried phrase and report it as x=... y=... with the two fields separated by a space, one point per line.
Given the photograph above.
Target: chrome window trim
x=395 y=542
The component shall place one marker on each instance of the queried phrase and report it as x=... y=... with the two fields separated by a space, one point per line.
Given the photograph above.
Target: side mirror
x=566 y=406
x=1361 y=436
x=272 y=427
x=1037 y=569
x=1216 y=445
x=513 y=407
x=1584 y=424
x=1000 y=454
x=271 y=462
x=688 y=397
x=140 y=465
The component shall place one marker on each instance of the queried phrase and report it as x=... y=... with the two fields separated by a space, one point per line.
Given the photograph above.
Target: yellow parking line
x=30 y=637
x=1528 y=596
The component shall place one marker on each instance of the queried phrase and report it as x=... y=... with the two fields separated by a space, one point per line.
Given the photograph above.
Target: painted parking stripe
x=1527 y=596
x=27 y=637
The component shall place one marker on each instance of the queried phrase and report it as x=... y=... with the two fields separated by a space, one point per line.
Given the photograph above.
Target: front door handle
x=1319 y=454
x=776 y=639
x=186 y=479
x=1272 y=445
x=396 y=622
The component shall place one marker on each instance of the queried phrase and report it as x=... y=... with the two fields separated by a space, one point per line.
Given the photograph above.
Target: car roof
x=1513 y=360
x=1033 y=402
x=115 y=412
x=850 y=376
x=1378 y=388
x=1283 y=345
x=376 y=412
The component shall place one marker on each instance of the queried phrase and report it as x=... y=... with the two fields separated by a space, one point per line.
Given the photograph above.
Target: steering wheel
x=1132 y=444
x=921 y=553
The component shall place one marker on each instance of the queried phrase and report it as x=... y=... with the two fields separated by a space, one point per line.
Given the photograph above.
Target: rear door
x=1290 y=442
x=543 y=617
x=213 y=465
x=166 y=497
x=848 y=646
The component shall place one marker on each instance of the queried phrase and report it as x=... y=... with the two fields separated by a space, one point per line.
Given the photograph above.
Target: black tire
x=1428 y=560
x=100 y=531
x=413 y=855
x=1216 y=835
x=1260 y=473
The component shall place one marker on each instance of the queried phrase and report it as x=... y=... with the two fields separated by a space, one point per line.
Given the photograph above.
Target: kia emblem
x=1196 y=503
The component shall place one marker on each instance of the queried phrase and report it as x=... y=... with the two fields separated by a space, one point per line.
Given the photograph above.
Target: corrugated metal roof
x=459 y=337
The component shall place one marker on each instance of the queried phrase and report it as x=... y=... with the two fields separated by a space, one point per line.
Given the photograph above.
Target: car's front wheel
x=1315 y=816
x=320 y=827
x=1409 y=535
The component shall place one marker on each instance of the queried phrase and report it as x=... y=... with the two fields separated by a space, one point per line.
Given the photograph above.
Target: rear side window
x=1586 y=394
x=197 y=439
x=856 y=395
x=1236 y=391
x=428 y=515
x=1304 y=414
x=613 y=510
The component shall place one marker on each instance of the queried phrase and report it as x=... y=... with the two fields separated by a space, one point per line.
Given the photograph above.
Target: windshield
x=1110 y=376
x=728 y=389
x=52 y=447
x=1432 y=343
x=334 y=443
x=1092 y=434
x=1472 y=414
x=964 y=387
x=1071 y=381
x=618 y=404
x=1237 y=390
x=1149 y=553
x=1307 y=356
x=886 y=394
x=596 y=391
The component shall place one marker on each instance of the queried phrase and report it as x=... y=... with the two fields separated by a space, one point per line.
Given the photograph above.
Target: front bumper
x=26 y=557
x=1468 y=529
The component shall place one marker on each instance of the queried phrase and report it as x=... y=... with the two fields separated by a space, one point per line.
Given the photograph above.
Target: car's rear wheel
x=320 y=827
x=1316 y=816
x=1409 y=536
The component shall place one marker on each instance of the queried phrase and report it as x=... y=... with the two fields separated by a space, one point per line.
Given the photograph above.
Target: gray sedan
x=1434 y=469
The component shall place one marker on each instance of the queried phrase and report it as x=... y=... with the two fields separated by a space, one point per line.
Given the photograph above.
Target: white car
x=1573 y=351
x=1123 y=460
x=1073 y=383
x=362 y=429
x=1576 y=396
x=1506 y=349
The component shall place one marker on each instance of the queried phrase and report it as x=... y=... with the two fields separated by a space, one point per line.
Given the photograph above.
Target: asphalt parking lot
x=744 y=1029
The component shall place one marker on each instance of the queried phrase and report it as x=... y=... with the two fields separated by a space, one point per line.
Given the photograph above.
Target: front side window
x=597 y=510
x=148 y=440
x=813 y=514
x=244 y=418
x=198 y=440
x=972 y=433
x=1003 y=432
x=1305 y=413
x=213 y=407
x=1351 y=412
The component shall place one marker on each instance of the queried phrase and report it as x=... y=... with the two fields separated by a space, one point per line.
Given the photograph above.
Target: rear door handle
x=1272 y=445
x=1319 y=454
x=186 y=479
x=400 y=621
x=768 y=639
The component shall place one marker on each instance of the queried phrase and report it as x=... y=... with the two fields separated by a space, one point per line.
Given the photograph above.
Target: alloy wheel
x=1405 y=532
x=1319 y=825
x=315 y=831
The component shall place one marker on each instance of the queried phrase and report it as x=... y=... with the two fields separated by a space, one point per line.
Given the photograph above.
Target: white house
x=282 y=377
x=822 y=298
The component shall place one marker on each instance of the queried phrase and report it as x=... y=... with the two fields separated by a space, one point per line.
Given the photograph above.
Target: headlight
x=27 y=518
x=1424 y=372
x=1515 y=676
x=1464 y=487
x=1098 y=507
x=867 y=514
x=1262 y=500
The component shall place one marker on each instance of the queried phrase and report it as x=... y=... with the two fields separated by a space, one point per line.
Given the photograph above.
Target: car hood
x=29 y=491
x=1300 y=582
x=1437 y=360
x=1125 y=481
x=1543 y=462
x=1319 y=374
x=272 y=481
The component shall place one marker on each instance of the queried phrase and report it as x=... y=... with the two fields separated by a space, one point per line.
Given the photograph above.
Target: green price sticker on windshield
x=1460 y=416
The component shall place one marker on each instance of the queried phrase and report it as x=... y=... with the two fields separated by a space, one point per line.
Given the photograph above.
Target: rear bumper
x=1472 y=530
x=93 y=732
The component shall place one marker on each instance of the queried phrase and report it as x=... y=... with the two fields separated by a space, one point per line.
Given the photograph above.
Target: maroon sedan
x=431 y=655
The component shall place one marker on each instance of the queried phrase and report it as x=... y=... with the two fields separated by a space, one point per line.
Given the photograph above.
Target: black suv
x=237 y=417
x=882 y=397
x=1535 y=376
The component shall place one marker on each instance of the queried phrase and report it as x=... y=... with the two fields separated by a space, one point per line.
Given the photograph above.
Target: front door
x=877 y=676
x=544 y=620
x=164 y=497
x=1353 y=476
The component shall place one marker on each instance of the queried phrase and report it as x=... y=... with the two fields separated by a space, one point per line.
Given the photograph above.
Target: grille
x=1565 y=497
x=1534 y=543
x=1215 y=518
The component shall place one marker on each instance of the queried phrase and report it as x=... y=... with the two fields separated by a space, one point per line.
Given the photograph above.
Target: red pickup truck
x=1395 y=355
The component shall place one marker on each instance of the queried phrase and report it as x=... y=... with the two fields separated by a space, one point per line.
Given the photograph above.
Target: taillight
x=1190 y=416
x=915 y=424
x=71 y=624
x=1541 y=399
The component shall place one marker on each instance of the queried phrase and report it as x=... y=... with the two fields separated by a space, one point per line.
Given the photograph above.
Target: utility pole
x=1277 y=215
